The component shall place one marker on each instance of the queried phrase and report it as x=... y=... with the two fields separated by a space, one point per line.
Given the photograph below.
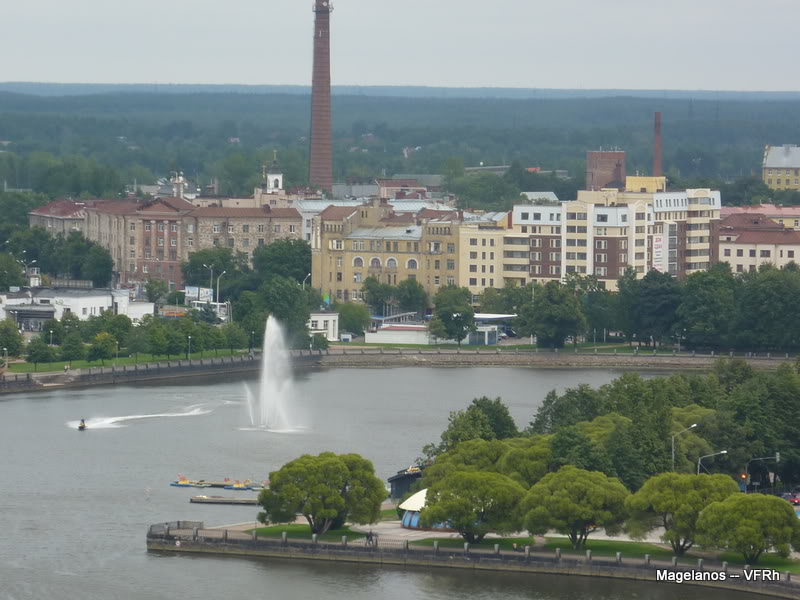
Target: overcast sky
x=630 y=44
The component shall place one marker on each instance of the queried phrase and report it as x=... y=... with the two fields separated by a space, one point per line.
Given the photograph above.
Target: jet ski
x=82 y=426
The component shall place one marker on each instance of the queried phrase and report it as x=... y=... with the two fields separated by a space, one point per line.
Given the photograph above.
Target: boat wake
x=118 y=422
x=285 y=430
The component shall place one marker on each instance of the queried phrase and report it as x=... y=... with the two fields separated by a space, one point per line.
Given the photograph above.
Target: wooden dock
x=223 y=500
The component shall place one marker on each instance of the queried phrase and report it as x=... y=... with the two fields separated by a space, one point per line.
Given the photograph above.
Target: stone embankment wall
x=191 y=537
x=375 y=358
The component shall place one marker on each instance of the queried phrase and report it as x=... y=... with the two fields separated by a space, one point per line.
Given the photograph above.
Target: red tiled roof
x=748 y=221
x=60 y=208
x=118 y=207
x=771 y=210
x=784 y=237
x=399 y=218
x=338 y=213
x=430 y=213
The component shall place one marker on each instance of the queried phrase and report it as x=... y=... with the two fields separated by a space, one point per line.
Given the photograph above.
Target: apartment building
x=781 y=167
x=59 y=217
x=151 y=239
x=747 y=241
x=604 y=232
x=788 y=216
x=350 y=244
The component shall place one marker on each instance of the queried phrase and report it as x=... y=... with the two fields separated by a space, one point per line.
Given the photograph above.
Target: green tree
x=573 y=406
x=474 y=504
x=10 y=338
x=72 y=348
x=216 y=340
x=500 y=419
x=103 y=347
x=353 y=317
x=411 y=296
x=235 y=336
x=454 y=311
x=97 y=266
x=376 y=294
x=659 y=299
x=575 y=503
x=674 y=501
x=11 y=272
x=39 y=352
x=324 y=489
x=157 y=340
x=155 y=289
x=319 y=342
x=463 y=425
x=57 y=328
x=285 y=258
x=284 y=299
x=555 y=314
x=137 y=342
x=628 y=301
x=571 y=446
x=708 y=307
x=176 y=342
x=750 y=524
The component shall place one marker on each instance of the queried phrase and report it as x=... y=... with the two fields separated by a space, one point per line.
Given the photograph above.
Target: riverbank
x=193 y=538
x=378 y=358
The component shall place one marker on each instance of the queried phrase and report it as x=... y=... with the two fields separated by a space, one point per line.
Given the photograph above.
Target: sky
x=576 y=44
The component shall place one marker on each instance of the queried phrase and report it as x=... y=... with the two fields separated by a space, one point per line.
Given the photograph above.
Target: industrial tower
x=320 y=169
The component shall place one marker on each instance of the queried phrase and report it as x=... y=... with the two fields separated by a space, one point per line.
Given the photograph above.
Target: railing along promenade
x=193 y=537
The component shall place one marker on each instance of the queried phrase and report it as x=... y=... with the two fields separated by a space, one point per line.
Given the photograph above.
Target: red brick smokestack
x=320 y=169
x=657 y=168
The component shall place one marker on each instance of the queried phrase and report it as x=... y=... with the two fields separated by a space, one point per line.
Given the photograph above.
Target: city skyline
x=515 y=44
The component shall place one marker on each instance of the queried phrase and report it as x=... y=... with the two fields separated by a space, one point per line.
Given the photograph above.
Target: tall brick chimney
x=658 y=170
x=320 y=169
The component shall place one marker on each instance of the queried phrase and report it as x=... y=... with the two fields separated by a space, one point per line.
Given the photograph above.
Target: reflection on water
x=76 y=505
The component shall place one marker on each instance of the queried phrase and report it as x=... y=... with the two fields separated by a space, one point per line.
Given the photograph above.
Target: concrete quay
x=193 y=538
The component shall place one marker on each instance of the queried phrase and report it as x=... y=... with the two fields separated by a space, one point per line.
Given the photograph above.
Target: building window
x=190 y=228
x=338 y=261
x=391 y=263
x=358 y=262
x=144 y=270
x=215 y=242
x=601 y=244
x=473 y=268
x=231 y=243
x=473 y=241
x=261 y=228
x=217 y=229
x=451 y=265
x=451 y=248
x=752 y=253
x=147 y=226
x=147 y=253
x=276 y=228
x=601 y=271
x=765 y=253
x=131 y=268
x=726 y=252
x=245 y=228
x=473 y=281
x=173 y=242
x=161 y=227
x=292 y=228
x=174 y=228
x=230 y=228
x=375 y=263
x=412 y=264
x=338 y=276
x=555 y=243
x=601 y=258
x=790 y=253
x=161 y=242
x=246 y=242
x=190 y=242
x=602 y=218
x=260 y=242
x=133 y=253
x=133 y=226
x=436 y=281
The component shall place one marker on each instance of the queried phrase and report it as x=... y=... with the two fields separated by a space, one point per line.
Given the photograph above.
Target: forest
x=95 y=144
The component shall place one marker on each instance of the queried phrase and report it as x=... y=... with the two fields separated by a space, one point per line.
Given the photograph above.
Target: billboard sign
x=205 y=295
x=659 y=254
x=191 y=292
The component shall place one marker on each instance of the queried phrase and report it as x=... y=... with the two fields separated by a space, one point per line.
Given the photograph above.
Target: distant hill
x=82 y=89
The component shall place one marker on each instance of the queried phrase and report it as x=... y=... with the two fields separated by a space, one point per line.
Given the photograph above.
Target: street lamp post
x=692 y=426
x=189 y=350
x=211 y=278
x=218 y=278
x=5 y=358
x=51 y=337
x=252 y=339
x=304 y=280
x=700 y=460
x=116 y=359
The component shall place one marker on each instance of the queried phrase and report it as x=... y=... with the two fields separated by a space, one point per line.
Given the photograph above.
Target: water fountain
x=269 y=409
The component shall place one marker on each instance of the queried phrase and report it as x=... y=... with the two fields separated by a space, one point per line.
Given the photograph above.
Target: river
x=76 y=505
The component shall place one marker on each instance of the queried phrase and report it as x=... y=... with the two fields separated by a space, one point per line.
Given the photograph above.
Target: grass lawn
x=487 y=543
x=611 y=547
x=389 y=514
x=767 y=561
x=26 y=367
x=299 y=531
